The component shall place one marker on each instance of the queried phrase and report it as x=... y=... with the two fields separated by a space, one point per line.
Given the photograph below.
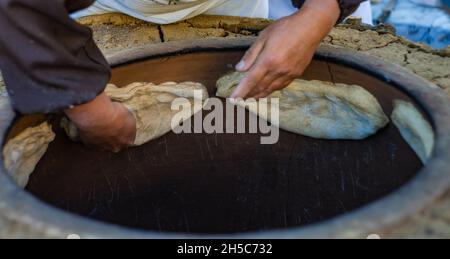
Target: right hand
x=104 y=123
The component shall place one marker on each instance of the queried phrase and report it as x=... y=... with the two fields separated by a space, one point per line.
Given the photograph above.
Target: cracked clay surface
x=114 y=32
x=382 y=43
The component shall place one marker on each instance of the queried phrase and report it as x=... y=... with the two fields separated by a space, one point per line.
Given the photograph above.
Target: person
x=51 y=63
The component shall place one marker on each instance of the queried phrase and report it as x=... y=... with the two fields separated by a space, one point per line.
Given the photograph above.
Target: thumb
x=251 y=56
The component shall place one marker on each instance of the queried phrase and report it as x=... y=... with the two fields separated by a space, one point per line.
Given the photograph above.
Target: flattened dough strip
x=318 y=109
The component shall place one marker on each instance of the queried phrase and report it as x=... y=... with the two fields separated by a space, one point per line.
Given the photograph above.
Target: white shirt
x=144 y=9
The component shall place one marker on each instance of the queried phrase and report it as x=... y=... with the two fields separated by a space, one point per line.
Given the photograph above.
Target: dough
x=414 y=128
x=22 y=153
x=320 y=109
x=151 y=106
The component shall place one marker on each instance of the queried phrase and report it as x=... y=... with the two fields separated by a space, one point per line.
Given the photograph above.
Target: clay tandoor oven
x=228 y=184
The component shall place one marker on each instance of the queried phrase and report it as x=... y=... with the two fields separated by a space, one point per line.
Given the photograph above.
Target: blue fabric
x=446 y=3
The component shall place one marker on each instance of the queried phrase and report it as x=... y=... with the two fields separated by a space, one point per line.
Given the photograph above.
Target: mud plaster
x=115 y=32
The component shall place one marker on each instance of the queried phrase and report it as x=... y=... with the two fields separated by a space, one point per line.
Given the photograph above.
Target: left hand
x=103 y=123
x=285 y=49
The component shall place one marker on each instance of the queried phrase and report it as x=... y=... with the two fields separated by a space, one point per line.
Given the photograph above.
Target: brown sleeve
x=347 y=7
x=49 y=62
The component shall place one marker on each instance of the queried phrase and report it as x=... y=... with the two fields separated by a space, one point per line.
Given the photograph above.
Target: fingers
x=275 y=85
x=249 y=83
x=117 y=134
x=129 y=127
x=263 y=88
x=251 y=55
x=270 y=66
x=260 y=80
x=266 y=76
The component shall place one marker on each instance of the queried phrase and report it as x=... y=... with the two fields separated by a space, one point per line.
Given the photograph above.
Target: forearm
x=320 y=16
x=285 y=49
x=104 y=123
x=327 y=11
x=346 y=7
x=98 y=113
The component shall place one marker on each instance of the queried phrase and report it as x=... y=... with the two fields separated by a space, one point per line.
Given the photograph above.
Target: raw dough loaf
x=319 y=109
x=22 y=153
x=414 y=128
x=151 y=106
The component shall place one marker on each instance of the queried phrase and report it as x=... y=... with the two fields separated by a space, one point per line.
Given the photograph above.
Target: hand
x=105 y=124
x=285 y=49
